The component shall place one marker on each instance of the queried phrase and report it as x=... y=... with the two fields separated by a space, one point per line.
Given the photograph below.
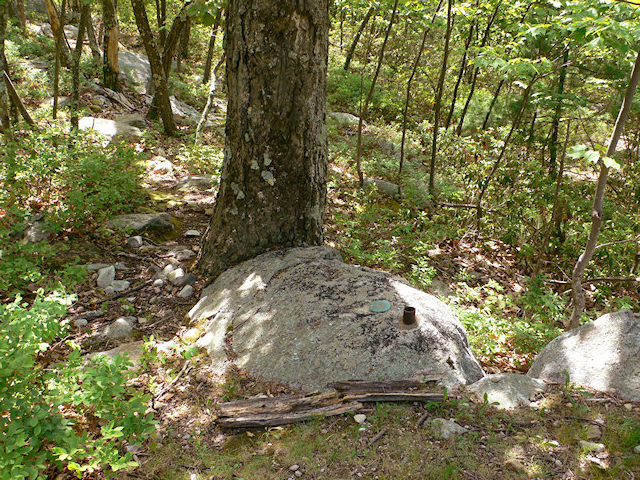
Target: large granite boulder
x=135 y=69
x=303 y=317
x=603 y=355
x=142 y=221
x=110 y=129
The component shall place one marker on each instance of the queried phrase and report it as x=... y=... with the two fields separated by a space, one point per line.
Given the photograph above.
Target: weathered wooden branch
x=15 y=98
x=347 y=397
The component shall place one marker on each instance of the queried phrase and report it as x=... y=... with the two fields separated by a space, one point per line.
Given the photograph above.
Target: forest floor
x=479 y=280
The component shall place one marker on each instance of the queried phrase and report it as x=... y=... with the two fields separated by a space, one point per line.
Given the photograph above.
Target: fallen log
x=346 y=398
x=276 y=419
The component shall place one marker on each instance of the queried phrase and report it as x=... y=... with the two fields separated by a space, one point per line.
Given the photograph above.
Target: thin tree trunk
x=93 y=40
x=542 y=256
x=596 y=212
x=205 y=112
x=365 y=107
x=438 y=101
x=416 y=63
x=58 y=62
x=463 y=67
x=476 y=71
x=173 y=38
x=183 y=46
x=110 y=67
x=212 y=43
x=161 y=98
x=493 y=102
x=75 y=70
x=356 y=38
x=496 y=164
x=161 y=16
x=5 y=119
x=57 y=27
x=555 y=124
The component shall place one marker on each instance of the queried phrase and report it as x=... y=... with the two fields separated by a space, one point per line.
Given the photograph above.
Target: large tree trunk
x=5 y=120
x=598 y=199
x=75 y=68
x=58 y=32
x=161 y=100
x=273 y=185
x=110 y=68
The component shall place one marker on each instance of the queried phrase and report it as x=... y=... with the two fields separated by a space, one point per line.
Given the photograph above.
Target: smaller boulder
x=106 y=276
x=135 y=242
x=508 y=390
x=110 y=129
x=602 y=355
x=202 y=182
x=386 y=188
x=447 y=429
x=120 y=328
x=343 y=118
x=142 y=221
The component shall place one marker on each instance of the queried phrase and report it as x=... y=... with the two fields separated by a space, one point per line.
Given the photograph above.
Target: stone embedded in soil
x=119 y=285
x=301 y=316
x=142 y=221
x=602 y=355
x=93 y=314
x=135 y=242
x=192 y=233
x=121 y=266
x=106 y=276
x=183 y=255
x=176 y=276
x=447 y=428
x=110 y=129
x=188 y=279
x=202 y=182
x=360 y=418
x=158 y=282
x=186 y=292
x=120 y=328
x=81 y=322
x=132 y=350
x=92 y=267
x=592 y=446
x=508 y=390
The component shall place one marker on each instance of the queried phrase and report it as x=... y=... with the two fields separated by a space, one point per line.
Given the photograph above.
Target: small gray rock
x=93 y=314
x=188 y=279
x=120 y=328
x=447 y=428
x=92 y=267
x=119 y=285
x=135 y=242
x=158 y=282
x=592 y=446
x=183 y=255
x=176 y=276
x=343 y=118
x=186 y=292
x=106 y=276
x=133 y=119
x=142 y=221
x=37 y=232
x=387 y=188
x=110 y=129
x=202 y=182
x=109 y=290
x=81 y=323
x=636 y=449
x=121 y=266
x=192 y=233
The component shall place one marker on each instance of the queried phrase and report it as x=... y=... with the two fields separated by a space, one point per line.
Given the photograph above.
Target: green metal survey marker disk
x=379 y=306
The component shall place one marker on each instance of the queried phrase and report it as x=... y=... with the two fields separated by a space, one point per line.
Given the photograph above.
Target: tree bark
x=161 y=101
x=212 y=43
x=110 y=67
x=75 y=69
x=93 y=40
x=476 y=71
x=493 y=103
x=356 y=38
x=57 y=28
x=365 y=107
x=598 y=199
x=22 y=17
x=273 y=184
x=5 y=119
x=438 y=100
x=407 y=99
x=463 y=67
x=555 y=124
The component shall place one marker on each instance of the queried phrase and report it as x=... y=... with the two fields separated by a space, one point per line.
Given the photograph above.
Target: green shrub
x=71 y=415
